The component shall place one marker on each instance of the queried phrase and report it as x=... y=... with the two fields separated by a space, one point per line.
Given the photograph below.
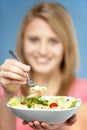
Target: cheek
x=28 y=49
x=59 y=51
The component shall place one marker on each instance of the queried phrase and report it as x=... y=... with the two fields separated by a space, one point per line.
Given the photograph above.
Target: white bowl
x=50 y=116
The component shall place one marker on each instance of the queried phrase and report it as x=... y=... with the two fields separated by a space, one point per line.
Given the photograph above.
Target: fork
x=30 y=82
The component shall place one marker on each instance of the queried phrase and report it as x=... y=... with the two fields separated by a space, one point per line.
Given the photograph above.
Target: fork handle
x=18 y=59
x=14 y=55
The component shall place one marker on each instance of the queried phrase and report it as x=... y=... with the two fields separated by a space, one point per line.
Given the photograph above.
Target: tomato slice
x=53 y=104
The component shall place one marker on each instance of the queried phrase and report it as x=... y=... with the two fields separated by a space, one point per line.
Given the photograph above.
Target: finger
x=18 y=64
x=12 y=76
x=51 y=126
x=28 y=123
x=44 y=125
x=31 y=124
x=13 y=69
x=37 y=125
x=71 y=120
x=10 y=81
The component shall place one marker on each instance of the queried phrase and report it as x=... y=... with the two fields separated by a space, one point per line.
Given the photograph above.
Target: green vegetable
x=42 y=103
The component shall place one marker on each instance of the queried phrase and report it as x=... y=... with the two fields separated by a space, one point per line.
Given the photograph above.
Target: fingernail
x=27 y=67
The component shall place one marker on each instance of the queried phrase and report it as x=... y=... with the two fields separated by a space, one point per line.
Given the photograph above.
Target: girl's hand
x=13 y=74
x=36 y=125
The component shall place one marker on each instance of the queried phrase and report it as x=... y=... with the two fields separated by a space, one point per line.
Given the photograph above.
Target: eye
x=53 y=41
x=33 y=39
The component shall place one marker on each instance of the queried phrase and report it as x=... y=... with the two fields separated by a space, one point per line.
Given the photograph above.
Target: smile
x=42 y=60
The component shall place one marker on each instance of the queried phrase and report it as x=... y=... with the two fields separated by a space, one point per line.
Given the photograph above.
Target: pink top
x=78 y=89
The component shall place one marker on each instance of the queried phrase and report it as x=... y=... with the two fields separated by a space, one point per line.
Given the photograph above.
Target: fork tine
x=30 y=82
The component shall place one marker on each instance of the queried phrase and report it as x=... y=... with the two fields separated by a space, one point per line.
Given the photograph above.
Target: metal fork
x=30 y=82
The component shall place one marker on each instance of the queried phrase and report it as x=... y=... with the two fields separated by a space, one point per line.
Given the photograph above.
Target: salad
x=42 y=102
x=37 y=101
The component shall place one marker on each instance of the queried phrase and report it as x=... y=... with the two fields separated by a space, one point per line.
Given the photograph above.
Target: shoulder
x=79 y=89
x=80 y=84
x=80 y=81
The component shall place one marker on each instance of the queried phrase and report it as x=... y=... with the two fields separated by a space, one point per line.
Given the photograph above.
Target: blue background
x=12 y=13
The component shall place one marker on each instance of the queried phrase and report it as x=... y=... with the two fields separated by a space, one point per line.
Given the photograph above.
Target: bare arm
x=81 y=123
x=12 y=76
x=7 y=119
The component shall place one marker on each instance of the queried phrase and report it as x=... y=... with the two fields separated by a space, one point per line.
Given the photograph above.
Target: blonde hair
x=60 y=21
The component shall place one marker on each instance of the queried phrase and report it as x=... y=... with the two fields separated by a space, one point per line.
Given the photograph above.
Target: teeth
x=42 y=59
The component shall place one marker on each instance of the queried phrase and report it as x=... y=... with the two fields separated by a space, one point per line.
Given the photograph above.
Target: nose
x=43 y=49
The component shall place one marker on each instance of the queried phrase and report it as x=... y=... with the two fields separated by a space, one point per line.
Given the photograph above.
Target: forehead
x=38 y=25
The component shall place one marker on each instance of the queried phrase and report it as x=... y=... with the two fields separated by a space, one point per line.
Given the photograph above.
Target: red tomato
x=53 y=104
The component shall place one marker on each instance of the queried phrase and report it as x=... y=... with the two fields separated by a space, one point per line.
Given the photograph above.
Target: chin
x=42 y=71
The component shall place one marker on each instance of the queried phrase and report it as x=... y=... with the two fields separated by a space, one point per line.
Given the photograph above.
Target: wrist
x=9 y=94
x=6 y=97
x=11 y=90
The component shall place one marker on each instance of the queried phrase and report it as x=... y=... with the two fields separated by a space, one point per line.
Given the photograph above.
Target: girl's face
x=43 y=49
